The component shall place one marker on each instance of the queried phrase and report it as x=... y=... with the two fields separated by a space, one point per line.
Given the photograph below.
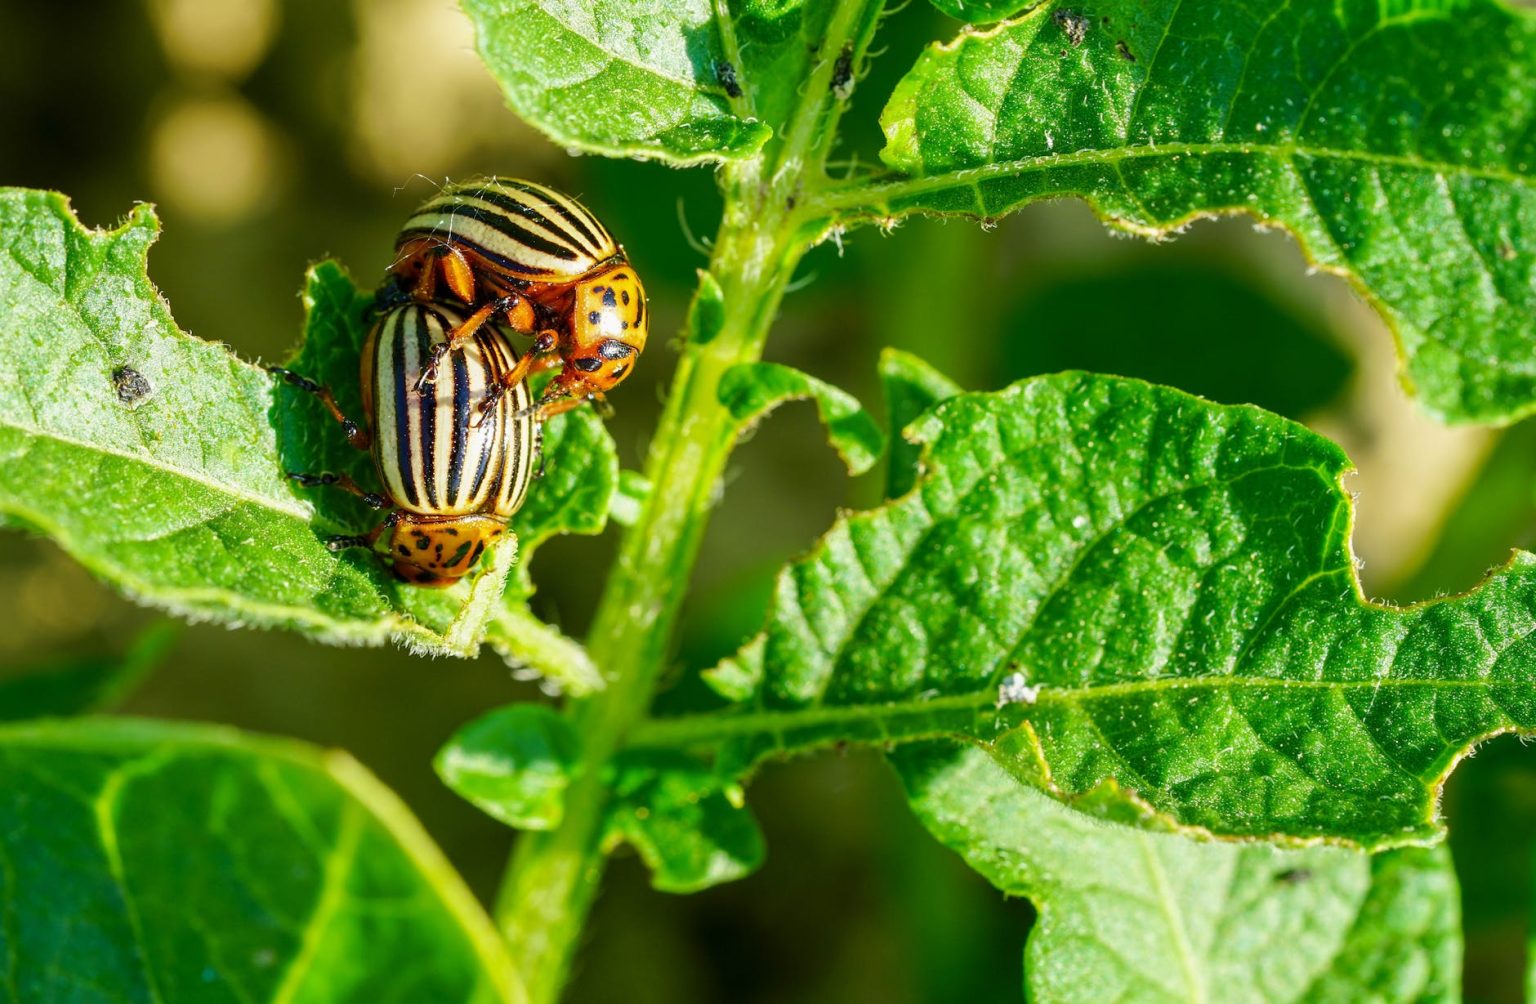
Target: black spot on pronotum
x=1125 y=51
x=131 y=385
x=612 y=348
x=609 y=300
x=1073 y=24
x=624 y=297
x=725 y=74
x=842 y=73
x=593 y=317
x=422 y=542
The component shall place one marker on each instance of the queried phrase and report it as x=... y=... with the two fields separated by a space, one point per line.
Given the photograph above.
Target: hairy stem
x=554 y=875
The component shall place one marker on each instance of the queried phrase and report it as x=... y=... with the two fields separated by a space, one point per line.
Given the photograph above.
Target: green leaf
x=515 y=763
x=911 y=387
x=182 y=862
x=751 y=390
x=983 y=11
x=609 y=77
x=692 y=829
x=633 y=489
x=157 y=459
x=83 y=685
x=1172 y=584
x=1131 y=915
x=1338 y=122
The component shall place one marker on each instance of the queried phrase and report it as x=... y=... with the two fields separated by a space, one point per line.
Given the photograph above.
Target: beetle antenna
x=701 y=246
x=801 y=283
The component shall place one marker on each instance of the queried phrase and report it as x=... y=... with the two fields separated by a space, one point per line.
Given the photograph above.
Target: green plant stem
x=554 y=875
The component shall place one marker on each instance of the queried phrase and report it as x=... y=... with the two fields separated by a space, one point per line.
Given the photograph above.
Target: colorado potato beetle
x=452 y=473
x=538 y=260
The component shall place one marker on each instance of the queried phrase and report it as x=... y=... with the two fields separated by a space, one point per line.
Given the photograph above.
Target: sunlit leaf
x=514 y=763
x=1395 y=142
x=151 y=861
x=615 y=77
x=1131 y=915
x=751 y=390
x=157 y=460
x=691 y=830
x=1165 y=587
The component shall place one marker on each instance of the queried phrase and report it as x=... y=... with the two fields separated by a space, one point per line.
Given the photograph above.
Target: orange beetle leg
x=457 y=273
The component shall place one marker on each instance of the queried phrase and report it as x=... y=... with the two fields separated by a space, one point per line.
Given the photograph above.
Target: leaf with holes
x=1130 y=594
x=1397 y=142
x=157 y=459
x=1131 y=915
x=152 y=861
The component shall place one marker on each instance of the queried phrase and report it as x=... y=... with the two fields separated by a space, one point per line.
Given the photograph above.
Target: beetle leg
x=458 y=336
x=536 y=360
x=373 y=500
x=356 y=435
x=344 y=541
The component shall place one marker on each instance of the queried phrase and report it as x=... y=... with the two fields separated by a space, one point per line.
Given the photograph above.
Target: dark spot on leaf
x=1125 y=51
x=725 y=74
x=1293 y=876
x=1075 y=25
x=132 y=386
x=842 y=73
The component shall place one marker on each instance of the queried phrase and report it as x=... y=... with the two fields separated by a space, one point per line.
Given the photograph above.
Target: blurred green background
x=272 y=133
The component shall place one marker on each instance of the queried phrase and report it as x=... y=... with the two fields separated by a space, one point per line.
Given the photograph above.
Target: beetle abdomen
x=517 y=227
x=437 y=452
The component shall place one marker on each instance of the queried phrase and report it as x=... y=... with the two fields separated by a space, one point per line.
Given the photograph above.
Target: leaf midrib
x=868 y=193
x=299 y=512
x=692 y=731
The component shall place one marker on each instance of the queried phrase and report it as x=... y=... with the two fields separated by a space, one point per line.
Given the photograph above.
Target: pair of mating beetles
x=452 y=427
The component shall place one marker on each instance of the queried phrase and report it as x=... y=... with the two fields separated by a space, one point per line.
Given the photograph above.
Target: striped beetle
x=539 y=260
x=452 y=473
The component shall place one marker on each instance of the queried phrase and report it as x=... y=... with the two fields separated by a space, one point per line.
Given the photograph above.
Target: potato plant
x=1109 y=635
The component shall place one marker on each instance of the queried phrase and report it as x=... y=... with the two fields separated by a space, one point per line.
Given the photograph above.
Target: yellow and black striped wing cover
x=432 y=457
x=517 y=227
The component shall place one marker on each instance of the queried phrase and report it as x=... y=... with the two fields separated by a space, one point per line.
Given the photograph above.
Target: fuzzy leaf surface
x=152 y=861
x=1130 y=915
x=157 y=459
x=1397 y=142
x=1174 y=577
x=616 y=77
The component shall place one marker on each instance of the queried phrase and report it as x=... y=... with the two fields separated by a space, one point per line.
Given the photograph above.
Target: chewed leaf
x=690 y=827
x=1336 y=121
x=911 y=387
x=173 y=861
x=1107 y=583
x=1192 y=920
x=612 y=77
x=751 y=390
x=157 y=460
